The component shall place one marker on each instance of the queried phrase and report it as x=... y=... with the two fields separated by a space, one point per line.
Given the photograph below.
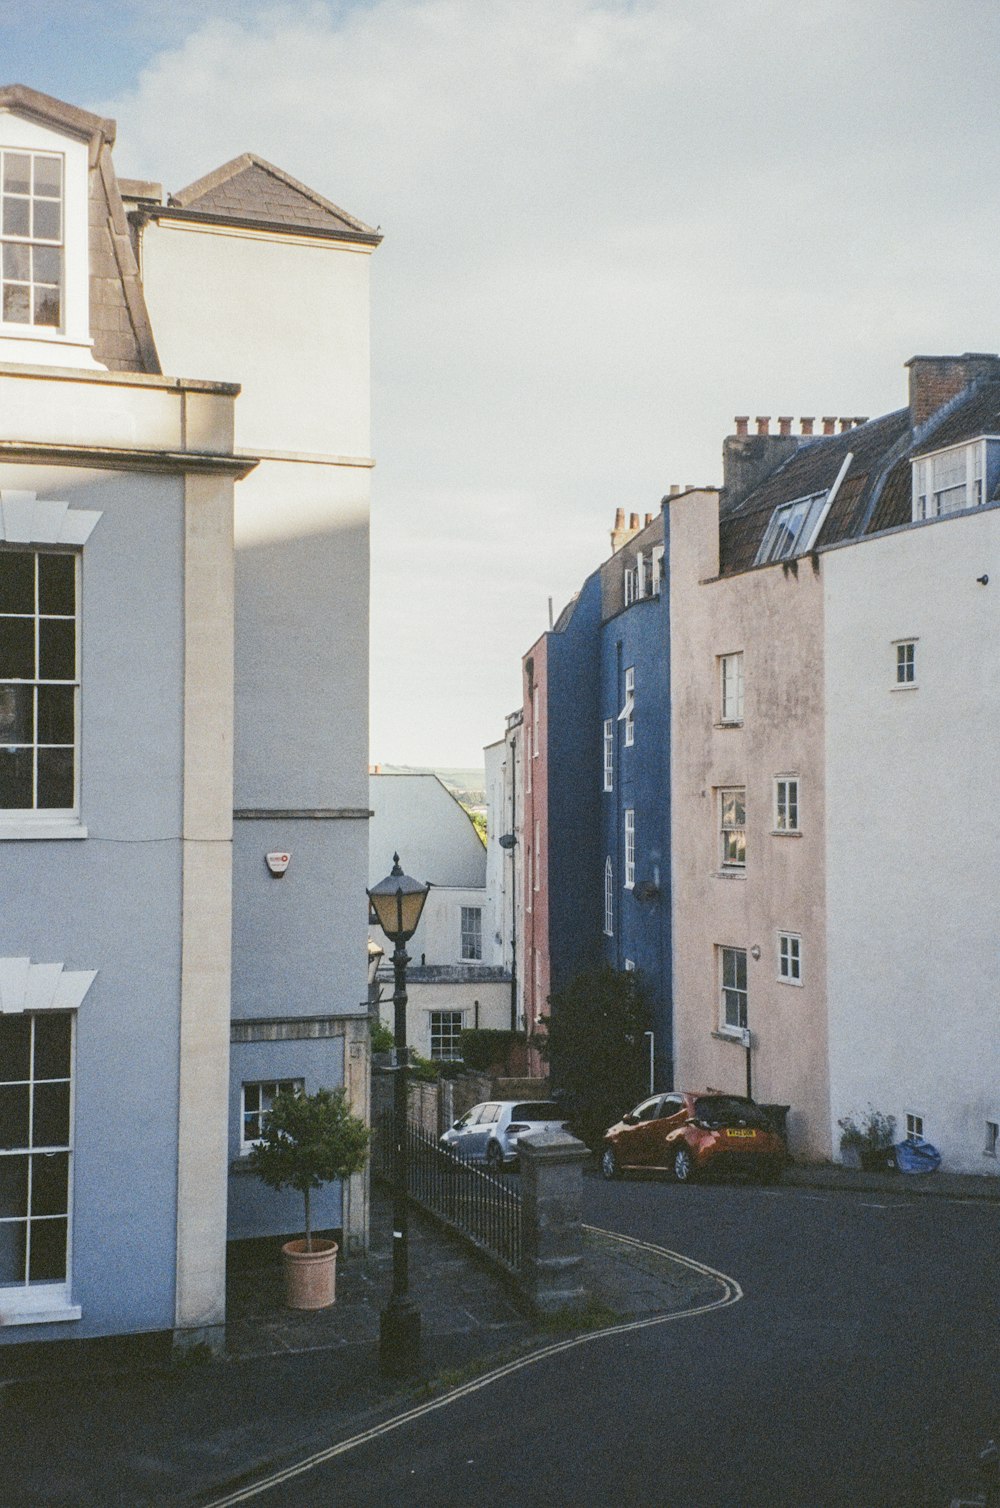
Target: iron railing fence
x=483 y=1206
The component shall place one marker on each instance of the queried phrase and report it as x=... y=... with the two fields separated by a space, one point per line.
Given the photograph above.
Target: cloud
x=609 y=227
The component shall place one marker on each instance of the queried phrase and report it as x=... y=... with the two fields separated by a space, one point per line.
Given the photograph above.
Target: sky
x=610 y=226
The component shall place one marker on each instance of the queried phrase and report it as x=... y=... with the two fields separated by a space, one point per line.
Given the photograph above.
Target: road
x=860 y=1369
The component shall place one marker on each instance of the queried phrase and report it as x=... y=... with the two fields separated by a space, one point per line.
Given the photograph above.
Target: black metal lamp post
x=397 y=902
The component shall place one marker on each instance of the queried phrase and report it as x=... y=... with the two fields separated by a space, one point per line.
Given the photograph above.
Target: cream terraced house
x=834 y=718
x=183 y=691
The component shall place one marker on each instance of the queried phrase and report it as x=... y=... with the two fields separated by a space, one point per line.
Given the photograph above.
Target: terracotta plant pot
x=310 y=1276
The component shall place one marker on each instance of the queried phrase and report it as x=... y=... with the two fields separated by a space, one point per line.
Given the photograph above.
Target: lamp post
x=397 y=902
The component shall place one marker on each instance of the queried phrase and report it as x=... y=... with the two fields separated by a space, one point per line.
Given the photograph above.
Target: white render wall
x=913 y=859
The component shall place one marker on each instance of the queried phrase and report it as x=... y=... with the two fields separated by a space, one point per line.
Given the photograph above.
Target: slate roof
x=249 y=190
x=977 y=415
x=814 y=467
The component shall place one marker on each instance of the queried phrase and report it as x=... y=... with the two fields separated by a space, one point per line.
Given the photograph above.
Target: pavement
x=136 y=1428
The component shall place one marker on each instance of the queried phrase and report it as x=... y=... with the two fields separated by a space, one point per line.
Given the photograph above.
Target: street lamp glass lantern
x=397 y=902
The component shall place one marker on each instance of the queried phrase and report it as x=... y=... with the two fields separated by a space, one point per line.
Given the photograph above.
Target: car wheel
x=684 y=1164
x=494 y=1157
x=609 y=1164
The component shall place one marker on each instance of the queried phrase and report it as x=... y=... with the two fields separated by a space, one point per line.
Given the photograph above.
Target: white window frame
x=914 y=1123
x=731 y=687
x=40 y=821
x=436 y=1035
x=789 y=958
x=731 y=994
x=656 y=584
x=794 y=528
x=627 y=714
x=471 y=926
x=45 y=1300
x=903 y=662
x=538 y=854
x=528 y=887
x=950 y=480
x=609 y=898
x=786 y=804
x=631 y=585
x=629 y=848
x=732 y=794
x=276 y=1086
x=29 y=241
x=538 y=1002
x=534 y=723
x=609 y=754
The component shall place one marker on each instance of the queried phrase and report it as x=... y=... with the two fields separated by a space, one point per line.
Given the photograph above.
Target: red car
x=691 y=1134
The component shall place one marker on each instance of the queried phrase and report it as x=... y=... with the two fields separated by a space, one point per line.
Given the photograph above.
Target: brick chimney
x=622 y=532
x=829 y=424
x=806 y=425
x=935 y=380
x=747 y=459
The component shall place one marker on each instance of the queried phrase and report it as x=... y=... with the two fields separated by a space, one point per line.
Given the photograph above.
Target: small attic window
x=31 y=235
x=793 y=528
x=954 y=479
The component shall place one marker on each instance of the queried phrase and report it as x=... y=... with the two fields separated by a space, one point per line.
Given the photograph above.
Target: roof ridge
x=183 y=198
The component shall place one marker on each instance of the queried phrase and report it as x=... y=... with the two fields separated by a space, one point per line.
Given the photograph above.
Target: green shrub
x=875 y=1133
x=482 y=1049
x=308 y=1140
x=383 y=1039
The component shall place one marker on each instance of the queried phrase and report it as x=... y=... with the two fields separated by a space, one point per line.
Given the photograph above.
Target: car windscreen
x=537 y=1110
x=726 y=1110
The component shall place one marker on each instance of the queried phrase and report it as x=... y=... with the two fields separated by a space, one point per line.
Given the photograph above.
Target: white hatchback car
x=489 y=1132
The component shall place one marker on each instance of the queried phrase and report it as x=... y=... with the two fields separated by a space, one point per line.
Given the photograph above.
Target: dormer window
x=954 y=479
x=31 y=230
x=794 y=528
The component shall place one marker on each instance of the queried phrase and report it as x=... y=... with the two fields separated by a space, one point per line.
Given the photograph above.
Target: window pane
x=17 y=649
x=16 y=216
x=13 y=1186
x=56 y=649
x=16 y=767
x=16 y=173
x=48 y=307
x=47 y=219
x=55 y=714
x=17 y=262
x=12 y=1251
x=17 y=582
x=46 y=262
x=17 y=714
x=53 y=1034
x=48 y=177
x=16 y=304
x=55 y=778
x=15 y=1048
x=50 y=1184
x=51 y=1115
x=48 y=1251
x=13 y=1115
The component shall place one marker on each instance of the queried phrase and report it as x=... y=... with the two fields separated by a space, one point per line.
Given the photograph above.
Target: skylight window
x=793 y=528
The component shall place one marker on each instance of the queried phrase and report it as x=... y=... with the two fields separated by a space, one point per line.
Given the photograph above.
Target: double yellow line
x=731 y=1294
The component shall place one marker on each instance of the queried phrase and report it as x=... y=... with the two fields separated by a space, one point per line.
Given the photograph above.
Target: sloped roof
x=252 y=191
x=55 y=112
x=978 y=415
x=874 y=447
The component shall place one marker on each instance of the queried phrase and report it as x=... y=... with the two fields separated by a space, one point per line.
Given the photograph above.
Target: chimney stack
x=675 y=488
x=742 y=422
x=622 y=533
x=829 y=424
x=935 y=380
x=649 y=520
x=806 y=425
x=763 y=424
x=785 y=425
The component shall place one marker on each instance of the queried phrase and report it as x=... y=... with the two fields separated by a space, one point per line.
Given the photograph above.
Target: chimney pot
x=785 y=425
x=649 y=520
x=619 y=518
x=763 y=424
x=845 y=425
x=829 y=424
x=807 y=425
x=742 y=422
x=674 y=488
x=633 y=520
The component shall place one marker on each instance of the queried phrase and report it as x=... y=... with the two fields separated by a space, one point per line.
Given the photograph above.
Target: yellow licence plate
x=741 y=1133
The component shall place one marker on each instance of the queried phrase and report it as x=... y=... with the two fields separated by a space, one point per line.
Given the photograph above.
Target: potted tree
x=308 y=1140
x=868 y=1144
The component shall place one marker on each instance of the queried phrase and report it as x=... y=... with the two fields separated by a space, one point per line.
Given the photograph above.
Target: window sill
x=786 y=832
x=18 y=831
x=730 y=722
x=728 y=1036
x=18 y=1307
x=795 y=983
x=910 y=686
x=730 y=874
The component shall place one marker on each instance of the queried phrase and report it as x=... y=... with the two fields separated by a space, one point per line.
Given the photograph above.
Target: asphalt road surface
x=859 y=1369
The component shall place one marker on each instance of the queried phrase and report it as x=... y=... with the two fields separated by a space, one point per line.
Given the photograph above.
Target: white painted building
x=457 y=977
